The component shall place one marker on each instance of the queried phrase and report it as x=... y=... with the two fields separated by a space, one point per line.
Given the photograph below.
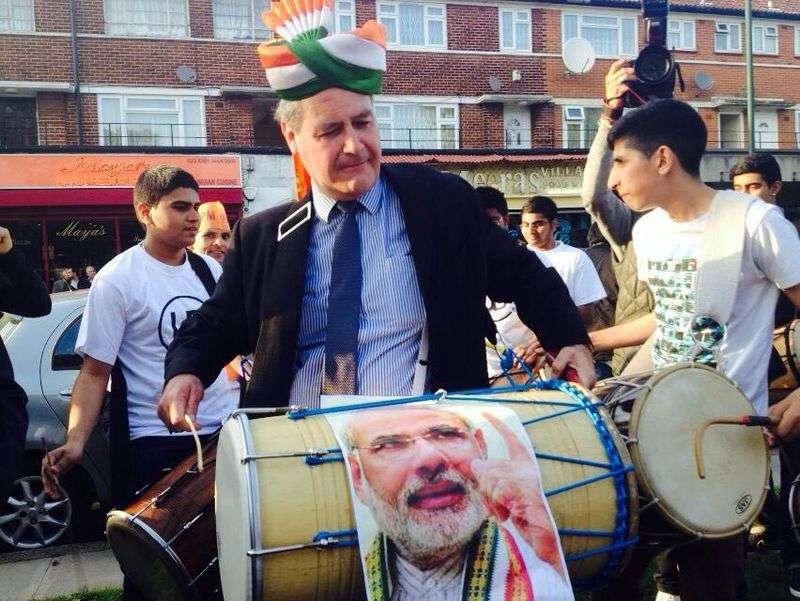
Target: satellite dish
x=186 y=74
x=494 y=83
x=703 y=81
x=578 y=55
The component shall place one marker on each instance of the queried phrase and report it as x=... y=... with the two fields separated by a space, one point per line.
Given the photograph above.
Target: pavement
x=58 y=571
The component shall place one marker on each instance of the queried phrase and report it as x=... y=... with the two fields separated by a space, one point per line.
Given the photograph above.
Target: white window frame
x=256 y=33
x=797 y=40
x=740 y=142
x=575 y=113
x=762 y=31
x=390 y=10
x=518 y=16
x=342 y=9
x=797 y=127
x=680 y=24
x=442 y=121
x=151 y=30
x=725 y=27
x=179 y=111
x=620 y=42
x=11 y=24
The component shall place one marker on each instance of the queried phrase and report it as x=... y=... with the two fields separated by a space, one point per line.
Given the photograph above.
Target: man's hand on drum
x=511 y=491
x=531 y=353
x=787 y=414
x=180 y=398
x=579 y=358
x=58 y=462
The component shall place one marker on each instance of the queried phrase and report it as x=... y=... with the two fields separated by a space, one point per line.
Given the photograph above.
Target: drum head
x=665 y=416
x=147 y=560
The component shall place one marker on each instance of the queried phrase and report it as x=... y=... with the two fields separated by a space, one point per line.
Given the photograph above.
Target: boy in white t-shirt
x=136 y=304
x=656 y=164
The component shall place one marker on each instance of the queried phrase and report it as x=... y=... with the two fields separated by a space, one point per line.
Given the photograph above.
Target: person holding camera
x=732 y=281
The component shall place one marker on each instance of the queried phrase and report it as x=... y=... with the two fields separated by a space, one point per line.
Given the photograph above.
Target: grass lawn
x=101 y=595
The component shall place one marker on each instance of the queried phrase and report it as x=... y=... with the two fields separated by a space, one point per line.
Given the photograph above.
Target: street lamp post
x=748 y=57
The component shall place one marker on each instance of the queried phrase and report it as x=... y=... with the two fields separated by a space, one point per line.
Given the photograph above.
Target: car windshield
x=8 y=323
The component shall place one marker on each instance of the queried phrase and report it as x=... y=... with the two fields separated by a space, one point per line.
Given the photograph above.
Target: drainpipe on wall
x=76 y=70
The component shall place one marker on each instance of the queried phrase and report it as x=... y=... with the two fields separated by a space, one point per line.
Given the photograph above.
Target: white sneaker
x=662 y=596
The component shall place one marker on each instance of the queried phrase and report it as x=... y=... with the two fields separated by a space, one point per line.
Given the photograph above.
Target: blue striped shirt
x=392 y=310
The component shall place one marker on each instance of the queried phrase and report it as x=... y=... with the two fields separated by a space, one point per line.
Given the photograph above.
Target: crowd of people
x=395 y=280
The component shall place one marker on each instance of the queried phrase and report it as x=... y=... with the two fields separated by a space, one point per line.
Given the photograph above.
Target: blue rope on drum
x=616 y=468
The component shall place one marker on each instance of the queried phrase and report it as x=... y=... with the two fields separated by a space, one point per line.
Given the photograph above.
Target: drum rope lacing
x=616 y=468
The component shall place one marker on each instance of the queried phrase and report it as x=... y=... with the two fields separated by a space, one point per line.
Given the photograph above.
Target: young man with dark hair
x=539 y=222
x=717 y=255
x=494 y=205
x=758 y=174
x=135 y=306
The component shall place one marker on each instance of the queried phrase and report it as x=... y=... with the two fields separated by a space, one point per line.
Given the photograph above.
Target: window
x=16 y=15
x=344 y=15
x=152 y=18
x=797 y=41
x=765 y=39
x=797 y=127
x=151 y=121
x=428 y=126
x=239 y=20
x=18 y=122
x=680 y=35
x=609 y=36
x=515 y=30
x=580 y=125
x=731 y=130
x=728 y=37
x=64 y=355
x=413 y=23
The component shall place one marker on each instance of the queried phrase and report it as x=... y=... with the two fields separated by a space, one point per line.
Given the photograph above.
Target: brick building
x=474 y=87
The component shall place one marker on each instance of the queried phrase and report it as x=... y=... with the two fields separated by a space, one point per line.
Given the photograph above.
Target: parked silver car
x=42 y=351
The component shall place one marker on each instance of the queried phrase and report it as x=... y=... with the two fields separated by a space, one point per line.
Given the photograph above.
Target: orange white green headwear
x=212 y=215
x=308 y=57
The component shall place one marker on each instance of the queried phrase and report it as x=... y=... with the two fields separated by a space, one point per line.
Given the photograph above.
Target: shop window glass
x=77 y=242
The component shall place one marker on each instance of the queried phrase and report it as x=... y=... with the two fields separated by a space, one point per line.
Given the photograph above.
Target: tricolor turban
x=308 y=58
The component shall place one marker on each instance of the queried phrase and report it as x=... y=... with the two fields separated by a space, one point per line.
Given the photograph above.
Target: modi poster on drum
x=448 y=503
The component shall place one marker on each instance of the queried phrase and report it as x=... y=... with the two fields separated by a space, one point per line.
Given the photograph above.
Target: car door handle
x=66 y=393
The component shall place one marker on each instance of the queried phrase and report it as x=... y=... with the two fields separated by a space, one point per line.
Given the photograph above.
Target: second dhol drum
x=285 y=518
x=661 y=414
x=786 y=341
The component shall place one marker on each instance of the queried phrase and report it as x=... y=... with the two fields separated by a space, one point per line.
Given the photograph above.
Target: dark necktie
x=344 y=306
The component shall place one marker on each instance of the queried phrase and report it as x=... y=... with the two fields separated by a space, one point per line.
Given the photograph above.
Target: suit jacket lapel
x=414 y=200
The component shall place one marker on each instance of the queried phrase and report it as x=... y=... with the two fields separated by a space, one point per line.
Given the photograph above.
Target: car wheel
x=29 y=519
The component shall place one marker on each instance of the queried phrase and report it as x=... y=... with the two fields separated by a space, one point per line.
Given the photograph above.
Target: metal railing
x=195 y=135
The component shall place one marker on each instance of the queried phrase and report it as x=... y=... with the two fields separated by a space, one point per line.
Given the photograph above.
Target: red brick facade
x=472 y=66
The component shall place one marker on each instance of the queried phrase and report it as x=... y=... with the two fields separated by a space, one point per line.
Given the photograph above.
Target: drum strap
x=721 y=255
x=119 y=439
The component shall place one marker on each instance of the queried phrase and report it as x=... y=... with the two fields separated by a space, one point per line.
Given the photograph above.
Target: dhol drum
x=786 y=341
x=165 y=540
x=662 y=415
x=285 y=520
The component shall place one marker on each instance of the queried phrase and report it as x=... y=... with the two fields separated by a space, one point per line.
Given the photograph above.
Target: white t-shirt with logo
x=135 y=306
x=576 y=269
x=667 y=255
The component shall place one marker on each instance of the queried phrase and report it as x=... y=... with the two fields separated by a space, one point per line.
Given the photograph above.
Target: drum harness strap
x=615 y=467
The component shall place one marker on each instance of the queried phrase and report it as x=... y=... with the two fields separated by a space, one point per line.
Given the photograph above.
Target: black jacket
x=459 y=256
x=24 y=293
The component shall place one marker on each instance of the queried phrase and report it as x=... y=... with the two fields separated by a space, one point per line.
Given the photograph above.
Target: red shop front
x=73 y=210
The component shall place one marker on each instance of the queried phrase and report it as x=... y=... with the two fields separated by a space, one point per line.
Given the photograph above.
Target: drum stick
x=736 y=420
x=569 y=373
x=197 y=445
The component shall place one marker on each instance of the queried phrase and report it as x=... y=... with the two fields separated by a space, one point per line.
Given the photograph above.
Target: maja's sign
x=82 y=230
x=43 y=171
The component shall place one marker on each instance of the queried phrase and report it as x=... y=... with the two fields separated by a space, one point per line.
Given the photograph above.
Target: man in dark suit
x=428 y=257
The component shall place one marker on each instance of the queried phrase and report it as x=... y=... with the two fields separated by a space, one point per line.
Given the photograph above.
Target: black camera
x=655 y=68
